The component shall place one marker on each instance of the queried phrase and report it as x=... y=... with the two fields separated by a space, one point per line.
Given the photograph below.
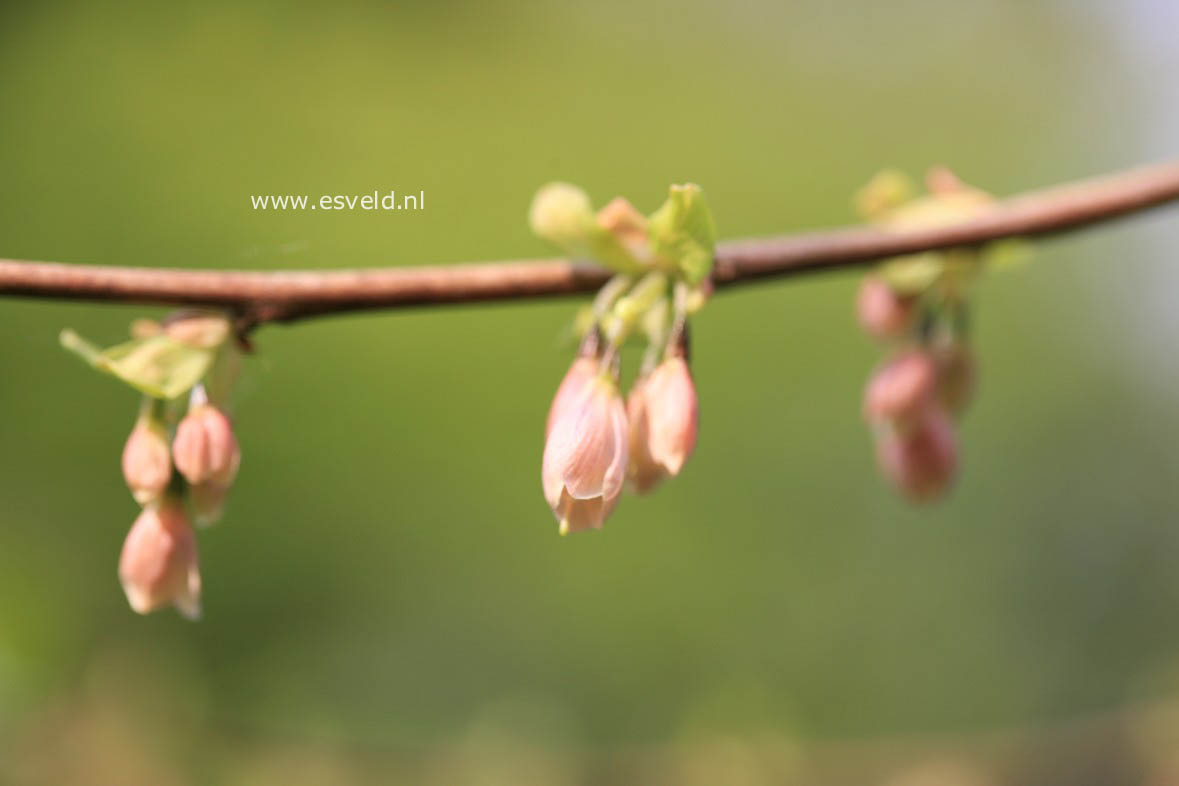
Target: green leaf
x=159 y=366
x=683 y=233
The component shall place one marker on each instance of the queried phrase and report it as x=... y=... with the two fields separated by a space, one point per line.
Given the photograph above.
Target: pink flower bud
x=662 y=411
x=642 y=470
x=900 y=389
x=881 y=311
x=205 y=448
x=957 y=372
x=158 y=565
x=147 y=460
x=920 y=462
x=585 y=455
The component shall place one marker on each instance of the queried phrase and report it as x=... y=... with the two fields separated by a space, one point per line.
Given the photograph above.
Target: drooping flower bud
x=205 y=448
x=147 y=459
x=158 y=565
x=881 y=311
x=662 y=413
x=585 y=455
x=900 y=389
x=957 y=372
x=922 y=460
x=641 y=470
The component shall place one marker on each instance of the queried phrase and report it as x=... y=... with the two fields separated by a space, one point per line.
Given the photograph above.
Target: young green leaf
x=683 y=233
x=157 y=365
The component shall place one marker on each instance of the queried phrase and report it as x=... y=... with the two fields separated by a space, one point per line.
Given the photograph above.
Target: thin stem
x=259 y=297
x=622 y=319
x=608 y=294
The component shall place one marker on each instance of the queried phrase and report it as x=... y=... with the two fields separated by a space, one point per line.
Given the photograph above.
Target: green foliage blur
x=387 y=599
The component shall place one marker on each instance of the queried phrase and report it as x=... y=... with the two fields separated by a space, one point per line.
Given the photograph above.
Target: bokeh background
x=387 y=600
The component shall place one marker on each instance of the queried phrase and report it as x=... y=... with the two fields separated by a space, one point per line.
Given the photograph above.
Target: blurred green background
x=387 y=599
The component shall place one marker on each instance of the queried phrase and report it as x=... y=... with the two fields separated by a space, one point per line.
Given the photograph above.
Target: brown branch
x=259 y=297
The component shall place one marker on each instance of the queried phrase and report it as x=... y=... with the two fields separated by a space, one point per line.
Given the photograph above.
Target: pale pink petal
x=615 y=475
x=672 y=415
x=576 y=515
x=580 y=373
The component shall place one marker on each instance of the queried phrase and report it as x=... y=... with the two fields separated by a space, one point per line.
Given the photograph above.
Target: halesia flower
x=882 y=312
x=147 y=460
x=205 y=448
x=663 y=415
x=921 y=461
x=158 y=566
x=585 y=454
x=901 y=389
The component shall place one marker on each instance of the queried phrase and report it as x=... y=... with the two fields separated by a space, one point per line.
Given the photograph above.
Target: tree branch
x=260 y=297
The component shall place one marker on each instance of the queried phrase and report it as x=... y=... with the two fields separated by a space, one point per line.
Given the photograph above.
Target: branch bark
x=260 y=297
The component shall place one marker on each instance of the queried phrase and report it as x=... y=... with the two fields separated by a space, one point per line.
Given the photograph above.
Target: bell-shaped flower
x=883 y=313
x=147 y=459
x=900 y=389
x=922 y=460
x=158 y=566
x=663 y=415
x=585 y=453
x=205 y=448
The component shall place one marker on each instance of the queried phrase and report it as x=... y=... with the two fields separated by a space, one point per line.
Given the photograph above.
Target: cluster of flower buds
x=597 y=443
x=905 y=403
x=175 y=464
x=918 y=307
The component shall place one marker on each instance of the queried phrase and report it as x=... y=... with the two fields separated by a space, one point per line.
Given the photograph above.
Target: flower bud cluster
x=595 y=442
x=905 y=404
x=917 y=307
x=179 y=471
